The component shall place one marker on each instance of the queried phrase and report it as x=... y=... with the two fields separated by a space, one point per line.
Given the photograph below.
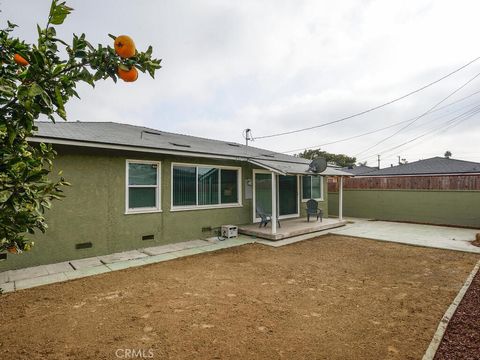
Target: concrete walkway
x=48 y=274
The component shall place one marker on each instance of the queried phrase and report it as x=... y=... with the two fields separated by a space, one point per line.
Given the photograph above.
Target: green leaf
x=149 y=51
x=60 y=41
x=35 y=90
x=60 y=106
x=5 y=195
x=6 y=90
x=58 y=12
x=124 y=67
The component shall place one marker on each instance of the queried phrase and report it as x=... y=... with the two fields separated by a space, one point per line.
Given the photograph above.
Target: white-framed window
x=205 y=186
x=312 y=187
x=142 y=186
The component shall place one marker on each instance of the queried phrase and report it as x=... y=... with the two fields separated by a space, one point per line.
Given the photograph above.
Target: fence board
x=445 y=182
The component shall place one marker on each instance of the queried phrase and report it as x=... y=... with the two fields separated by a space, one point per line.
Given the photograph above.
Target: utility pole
x=399 y=163
x=247 y=135
x=378 y=161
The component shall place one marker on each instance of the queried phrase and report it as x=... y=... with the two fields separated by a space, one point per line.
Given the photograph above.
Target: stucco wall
x=94 y=210
x=460 y=208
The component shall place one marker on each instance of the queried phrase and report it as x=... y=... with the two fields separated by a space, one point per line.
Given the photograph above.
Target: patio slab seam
x=442 y=326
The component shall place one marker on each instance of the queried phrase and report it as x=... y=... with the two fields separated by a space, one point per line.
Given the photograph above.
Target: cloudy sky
x=276 y=66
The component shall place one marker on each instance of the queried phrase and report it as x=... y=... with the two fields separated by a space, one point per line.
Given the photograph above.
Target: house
x=437 y=190
x=429 y=167
x=135 y=187
x=359 y=169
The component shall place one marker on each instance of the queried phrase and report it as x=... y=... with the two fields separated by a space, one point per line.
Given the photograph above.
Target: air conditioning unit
x=229 y=231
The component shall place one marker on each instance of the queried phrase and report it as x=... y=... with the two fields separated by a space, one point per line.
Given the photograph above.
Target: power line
x=420 y=116
x=438 y=131
x=383 y=128
x=445 y=126
x=448 y=124
x=370 y=109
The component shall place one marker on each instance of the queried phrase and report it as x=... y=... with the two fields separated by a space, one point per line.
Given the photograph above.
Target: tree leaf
x=5 y=195
x=35 y=90
x=58 y=12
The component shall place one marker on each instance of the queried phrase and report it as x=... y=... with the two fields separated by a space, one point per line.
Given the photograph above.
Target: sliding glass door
x=287 y=194
x=263 y=193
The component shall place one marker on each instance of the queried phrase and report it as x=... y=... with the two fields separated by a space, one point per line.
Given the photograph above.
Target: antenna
x=247 y=134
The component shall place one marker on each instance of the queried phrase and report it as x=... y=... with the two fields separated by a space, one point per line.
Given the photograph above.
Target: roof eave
x=93 y=144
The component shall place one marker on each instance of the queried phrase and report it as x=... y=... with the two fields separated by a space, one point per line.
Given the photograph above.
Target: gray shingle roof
x=435 y=165
x=359 y=170
x=105 y=134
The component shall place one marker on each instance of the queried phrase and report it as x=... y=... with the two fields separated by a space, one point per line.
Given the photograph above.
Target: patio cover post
x=340 y=200
x=274 y=204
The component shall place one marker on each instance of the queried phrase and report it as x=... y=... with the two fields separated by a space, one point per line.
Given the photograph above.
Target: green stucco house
x=135 y=187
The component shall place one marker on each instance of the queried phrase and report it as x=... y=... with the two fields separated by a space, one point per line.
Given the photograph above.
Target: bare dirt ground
x=329 y=298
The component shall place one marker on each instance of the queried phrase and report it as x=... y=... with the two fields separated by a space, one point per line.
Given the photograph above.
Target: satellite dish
x=318 y=165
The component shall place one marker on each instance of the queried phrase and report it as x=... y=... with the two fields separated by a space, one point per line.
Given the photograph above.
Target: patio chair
x=265 y=217
x=313 y=210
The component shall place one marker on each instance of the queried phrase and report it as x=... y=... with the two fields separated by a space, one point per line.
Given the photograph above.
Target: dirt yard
x=328 y=298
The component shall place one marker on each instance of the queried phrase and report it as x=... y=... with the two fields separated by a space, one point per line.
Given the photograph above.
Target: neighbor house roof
x=138 y=138
x=358 y=169
x=433 y=166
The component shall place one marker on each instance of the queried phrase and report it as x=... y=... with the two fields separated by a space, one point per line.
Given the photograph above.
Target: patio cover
x=294 y=168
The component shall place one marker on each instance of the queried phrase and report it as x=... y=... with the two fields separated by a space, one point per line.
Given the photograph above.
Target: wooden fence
x=446 y=182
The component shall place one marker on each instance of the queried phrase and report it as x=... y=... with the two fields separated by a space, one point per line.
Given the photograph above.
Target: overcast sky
x=276 y=66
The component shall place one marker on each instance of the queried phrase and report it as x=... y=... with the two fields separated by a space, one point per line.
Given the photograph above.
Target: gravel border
x=442 y=326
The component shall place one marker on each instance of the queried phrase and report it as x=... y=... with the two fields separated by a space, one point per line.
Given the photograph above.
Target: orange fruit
x=124 y=46
x=128 y=75
x=20 y=60
x=12 y=249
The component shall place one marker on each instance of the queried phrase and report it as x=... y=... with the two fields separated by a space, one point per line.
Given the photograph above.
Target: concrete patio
x=440 y=237
x=291 y=228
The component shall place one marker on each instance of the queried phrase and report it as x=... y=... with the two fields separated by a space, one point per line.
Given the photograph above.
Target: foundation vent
x=85 y=245
x=148 y=237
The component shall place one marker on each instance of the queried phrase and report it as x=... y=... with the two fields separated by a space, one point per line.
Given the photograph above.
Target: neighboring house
x=359 y=169
x=135 y=187
x=435 y=191
x=431 y=167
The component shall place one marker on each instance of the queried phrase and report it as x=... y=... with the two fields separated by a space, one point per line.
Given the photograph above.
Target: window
x=204 y=186
x=143 y=186
x=312 y=187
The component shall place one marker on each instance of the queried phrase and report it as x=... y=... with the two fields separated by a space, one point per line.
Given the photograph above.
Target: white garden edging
x=442 y=326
